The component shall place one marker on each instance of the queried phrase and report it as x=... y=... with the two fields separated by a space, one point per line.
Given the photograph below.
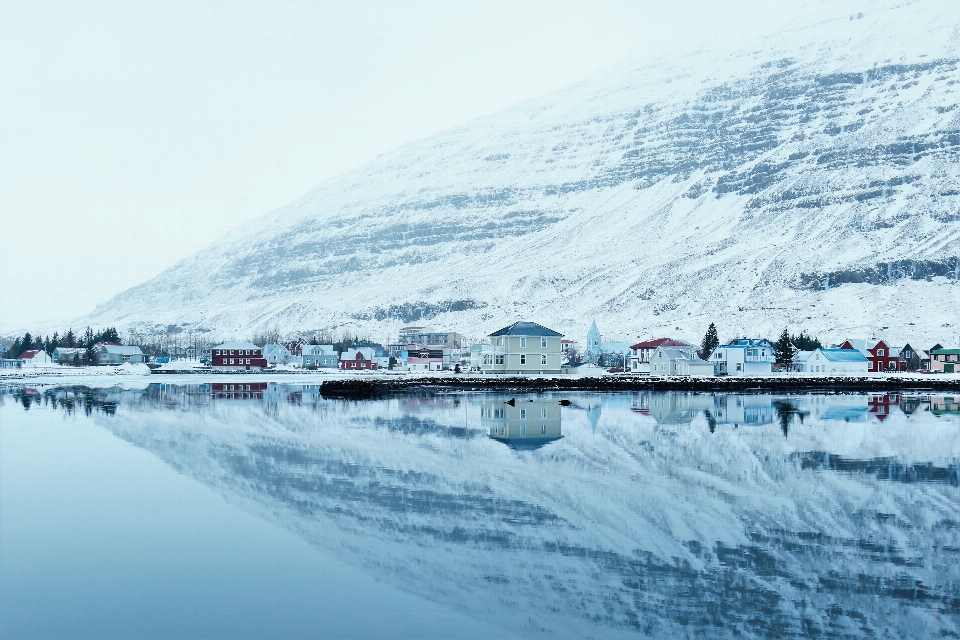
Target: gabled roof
x=28 y=355
x=660 y=342
x=122 y=350
x=525 y=329
x=941 y=352
x=843 y=355
x=678 y=353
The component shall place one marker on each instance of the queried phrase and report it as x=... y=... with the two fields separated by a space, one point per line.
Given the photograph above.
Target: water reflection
x=524 y=425
x=653 y=514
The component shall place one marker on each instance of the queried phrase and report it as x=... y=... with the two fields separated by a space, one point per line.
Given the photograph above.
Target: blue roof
x=748 y=342
x=842 y=355
x=525 y=329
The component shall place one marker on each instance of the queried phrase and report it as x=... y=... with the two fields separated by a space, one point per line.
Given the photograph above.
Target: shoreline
x=376 y=388
x=357 y=385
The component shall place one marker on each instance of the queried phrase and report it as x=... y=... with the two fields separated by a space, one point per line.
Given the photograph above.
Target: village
x=521 y=348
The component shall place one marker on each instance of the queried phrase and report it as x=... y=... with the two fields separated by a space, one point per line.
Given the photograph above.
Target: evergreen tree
x=70 y=340
x=803 y=342
x=784 y=351
x=15 y=349
x=709 y=343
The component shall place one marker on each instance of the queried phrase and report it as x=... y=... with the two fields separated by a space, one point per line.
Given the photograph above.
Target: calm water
x=206 y=511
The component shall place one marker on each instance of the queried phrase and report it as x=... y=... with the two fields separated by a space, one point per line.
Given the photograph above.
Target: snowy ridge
x=811 y=182
x=624 y=525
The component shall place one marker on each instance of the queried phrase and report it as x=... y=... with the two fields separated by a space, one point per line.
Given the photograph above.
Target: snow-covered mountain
x=811 y=182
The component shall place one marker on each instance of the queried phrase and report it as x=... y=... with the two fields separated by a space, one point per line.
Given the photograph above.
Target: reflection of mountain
x=639 y=528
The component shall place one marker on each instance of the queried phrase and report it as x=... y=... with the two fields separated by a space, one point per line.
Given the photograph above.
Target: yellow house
x=522 y=347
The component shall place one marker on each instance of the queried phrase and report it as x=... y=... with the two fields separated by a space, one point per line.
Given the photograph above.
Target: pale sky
x=133 y=134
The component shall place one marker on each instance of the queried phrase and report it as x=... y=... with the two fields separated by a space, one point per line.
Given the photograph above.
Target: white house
x=800 y=359
x=837 y=361
x=744 y=357
x=277 y=354
x=35 y=358
x=641 y=352
x=678 y=361
x=522 y=347
x=319 y=355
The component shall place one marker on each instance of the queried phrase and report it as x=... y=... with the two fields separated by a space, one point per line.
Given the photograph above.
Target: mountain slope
x=812 y=182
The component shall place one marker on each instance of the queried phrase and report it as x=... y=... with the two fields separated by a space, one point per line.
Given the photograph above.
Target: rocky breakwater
x=379 y=387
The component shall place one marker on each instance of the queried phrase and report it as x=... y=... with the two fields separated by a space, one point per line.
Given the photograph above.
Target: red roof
x=28 y=355
x=659 y=342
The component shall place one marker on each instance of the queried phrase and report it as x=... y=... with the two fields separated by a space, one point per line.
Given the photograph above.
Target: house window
x=523 y=414
x=523 y=429
x=499 y=359
x=231 y=351
x=879 y=352
x=869 y=365
x=523 y=343
x=543 y=429
x=543 y=343
x=543 y=359
x=739 y=366
x=248 y=360
x=543 y=412
x=231 y=360
x=523 y=358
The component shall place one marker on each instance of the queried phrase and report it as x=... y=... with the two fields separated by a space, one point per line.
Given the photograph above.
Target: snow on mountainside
x=812 y=182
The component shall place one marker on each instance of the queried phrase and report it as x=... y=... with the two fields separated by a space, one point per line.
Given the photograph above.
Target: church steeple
x=594 y=339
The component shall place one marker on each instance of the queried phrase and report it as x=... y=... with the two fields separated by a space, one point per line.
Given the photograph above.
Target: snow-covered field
x=738 y=189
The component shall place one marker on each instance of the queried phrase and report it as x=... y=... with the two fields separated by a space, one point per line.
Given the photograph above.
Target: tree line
x=86 y=341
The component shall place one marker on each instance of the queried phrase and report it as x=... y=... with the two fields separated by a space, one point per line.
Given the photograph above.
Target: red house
x=880 y=355
x=357 y=360
x=238 y=356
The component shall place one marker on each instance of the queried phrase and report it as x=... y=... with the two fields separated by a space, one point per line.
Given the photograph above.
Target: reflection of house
x=524 y=426
x=744 y=357
x=522 y=347
x=837 y=361
x=319 y=355
x=230 y=391
x=679 y=361
x=118 y=354
x=744 y=410
x=946 y=360
x=641 y=352
x=943 y=405
x=882 y=405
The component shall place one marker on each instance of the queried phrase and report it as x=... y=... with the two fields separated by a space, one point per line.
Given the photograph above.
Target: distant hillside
x=812 y=183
